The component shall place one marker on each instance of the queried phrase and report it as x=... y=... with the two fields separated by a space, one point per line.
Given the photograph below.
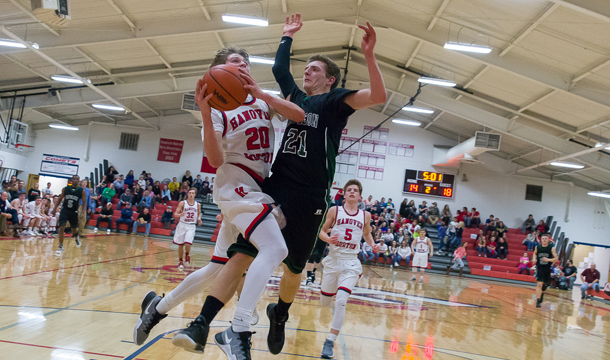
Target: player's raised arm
x=367 y=234
x=281 y=67
x=376 y=93
x=212 y=140
x=331 y=217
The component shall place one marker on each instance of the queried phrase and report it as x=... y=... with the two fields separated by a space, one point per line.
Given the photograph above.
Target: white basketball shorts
x=185 y=233
x=340 y=274
x=420 y=260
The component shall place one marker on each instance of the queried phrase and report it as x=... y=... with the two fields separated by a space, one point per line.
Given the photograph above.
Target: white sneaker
x=59 y=251
x=254 y=318
x=413 y=278
x=396 y=264
x=108 y=231
x=94 y=230
x=421 y=279
x=77 y=240
x=31 y=233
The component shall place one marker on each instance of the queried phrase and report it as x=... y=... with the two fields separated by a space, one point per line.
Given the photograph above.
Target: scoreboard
x=429 y=183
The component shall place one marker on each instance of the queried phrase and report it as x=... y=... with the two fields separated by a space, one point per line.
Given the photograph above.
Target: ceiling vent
x=189 y=104
x=55 y=13
x=487 y=141
x=467 y=151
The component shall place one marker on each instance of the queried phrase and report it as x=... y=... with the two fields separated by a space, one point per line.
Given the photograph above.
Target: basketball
x=227 y=86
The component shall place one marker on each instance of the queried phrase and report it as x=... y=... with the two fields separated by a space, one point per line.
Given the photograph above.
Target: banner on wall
x=205 y=165
x=59 y=166
x=170 y=150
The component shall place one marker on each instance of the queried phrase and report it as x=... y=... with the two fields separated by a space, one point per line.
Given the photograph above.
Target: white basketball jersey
x=189 y=214
x=248 y=135
x=421 y=245
x=350 y=229
x=31 y=209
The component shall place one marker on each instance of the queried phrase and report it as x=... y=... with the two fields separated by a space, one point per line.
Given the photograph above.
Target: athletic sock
x=241 y=320
x=282 y=308
x=309 y=274
x=210 y=308
x=332 y=337
x=180 y=259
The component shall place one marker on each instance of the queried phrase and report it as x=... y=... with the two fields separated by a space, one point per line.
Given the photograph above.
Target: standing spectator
x=475 y=218
x=433 y=214
x=458 y=254
x=403 y=211
x=590 y=280
x=157 y=192
x=403 y=253
x=107 y=195
x=531 y=240
x=111 y=172
x=188 y=178
x=459 y=231
x=137 y=195
x=166 y=195
x=125 y=200
x=569 y=275
x=442 y=236
x=542 y=228
x=129 y=179
x=184 y=190
x=143 y=220
x=392 y=250
x=174 y=187
x=452 y=232
x=482 y=245
x=502 y=247
x=167 y=218
x=466 y=216
x=33 y=193
x=423 y=209
x=198 y=184
x=119 y=185
x=142 y=182
x=126 y=218
x=529 y=224
x=447 y=215
x=47 y=190
x=490 y=224
x=105 y=215
x=523 y=264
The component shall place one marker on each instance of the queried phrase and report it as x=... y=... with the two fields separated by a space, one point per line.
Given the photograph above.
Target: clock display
x=429 y=183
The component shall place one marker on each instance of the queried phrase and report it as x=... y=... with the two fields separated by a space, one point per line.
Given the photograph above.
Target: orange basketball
x=225 y=82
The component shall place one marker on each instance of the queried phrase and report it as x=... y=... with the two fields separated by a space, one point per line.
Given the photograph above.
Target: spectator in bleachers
x=442 y=236
x=144 y=219
x=168 y=218
x=21 y=187
x=491 y=248
x=502 y=247
x=119 y=185
x=390 y=205
x=433 y=214
x=13 y=190
x=166 y=195
x=111 y=172
x=446 y=215
x=339 y=198
x=382 y=203
x=531 y=240
x=198 y=184
x=375 y=208
x=368 y=203
x=569 y=274
x=188 y=178
x=105 y=215
x=523 y=264
x=413 y=227
x=157 y=192
x=490 y=224
x=142 y=182
x=387 y=237
x=423 y=209
x=392 y=250
x=212 y=185
x=383 y=227
x=129 y=179
x=383 y=252
x=458 y=254
x=404 y=210
x=126 y=199
x=392 y=215
x=47 y=190
x=205 y=187
x=529 y=224
x=457 y=240
x=107 y=194
x=14 y=180
x=7 y=211
x=126 y=218
x=501 y=228
x=556 y=275
x=482 y=245
x=366 y=253
x=590 y=280
x=149 y=180
x=542 y=228
x=33 y=193
x=465 y=216
x=138 y=192
x=452 y=232
x=174 y=187
x=475 y=218
x=403 y=253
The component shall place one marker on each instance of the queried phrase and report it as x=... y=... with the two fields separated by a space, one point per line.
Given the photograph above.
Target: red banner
x=206 y=167
x=170 y=150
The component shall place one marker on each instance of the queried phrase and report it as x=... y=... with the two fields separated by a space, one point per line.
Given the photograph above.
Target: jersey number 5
x=290 y=145
x=256 y=134
x=348 y=234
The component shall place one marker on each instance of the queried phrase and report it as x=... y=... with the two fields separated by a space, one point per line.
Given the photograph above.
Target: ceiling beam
x=525 y=32
x=156 y=52
x=527 y=153
x=561 y=158
x=599 y=122
x=30 y=14
x=284 y=7
x=595 y=8
x=438 y=116
x=25 y=66
x=438 y=14
x=590 y=72
x=204 y=9
x=220 y=42
x=119 y=11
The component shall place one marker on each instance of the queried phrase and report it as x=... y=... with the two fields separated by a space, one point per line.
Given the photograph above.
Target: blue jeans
x=457 y=262
x=441 y=243
x=585 y=286
x=366 y=256
x=398 y=259
x=379 y=254
x=569 y=281
x=120 y=221
x=502 y=252
x=456 y=242
x=136 y=225
x=482 y=250
x=525 y=228
x=450 y=239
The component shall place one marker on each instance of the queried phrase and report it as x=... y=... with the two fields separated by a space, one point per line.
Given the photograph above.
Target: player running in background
x=421 y=247
x=342 y=267
x=189 y=212
x=544 y=257
x=71 y=196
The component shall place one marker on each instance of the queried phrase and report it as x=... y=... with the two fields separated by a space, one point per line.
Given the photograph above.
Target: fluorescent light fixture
x=436 y=81
x=599 y=194
x=567 y=165
x=480 y=49
x=67 y=79
x=108 y=107
x=262 y=60
x=63 y=127
x=406 y=122
x=417 y=110
x=245 y=20
x=273 y=92
x=600 y=144
x=12 y=43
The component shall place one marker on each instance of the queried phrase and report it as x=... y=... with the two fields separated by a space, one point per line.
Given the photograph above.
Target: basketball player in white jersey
x=240 y=143
x=421 y=247
x=342 y=267
x=32 y=209
x=18 y=205
x=189 y=212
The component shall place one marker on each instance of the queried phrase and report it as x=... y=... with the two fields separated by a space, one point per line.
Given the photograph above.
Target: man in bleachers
x=590 y=280
x=125 y=200
x=569 y=274
x=490 y=224
x=119 y=185
x=167 y=218
x=144 y=219
x=107 y=195
x=126 y=215
x=529 y=224
x=423 y=209
x=475 y=218
x=8 y=212
x=105 y=215
x=433 y=214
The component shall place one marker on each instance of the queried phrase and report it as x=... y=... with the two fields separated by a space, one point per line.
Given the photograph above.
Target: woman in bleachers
x=446 y=214
x=523 y=264
x=137 y=194
x=403 y=253
x=491 y=248
x=392 y=249
x=166 y=195
x=501 y=228
x=383 y=252
x=129 y=179
x=403 y=211
x=531 y=241
x=184 y=189
x=482 y=245
x=502 y=247
x=157 y=192
x=411 y=209
x=542 y=228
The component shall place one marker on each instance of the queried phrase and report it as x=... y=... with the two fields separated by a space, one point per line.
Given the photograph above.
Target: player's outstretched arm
x=281 y=67
x=212 y=139
x=367 y=234
x=376 y=93
x=331 y=215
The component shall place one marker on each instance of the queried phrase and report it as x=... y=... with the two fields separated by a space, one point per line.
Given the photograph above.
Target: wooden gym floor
x=84 y=304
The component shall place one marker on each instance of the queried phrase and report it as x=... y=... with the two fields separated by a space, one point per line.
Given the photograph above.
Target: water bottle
x=157 y=218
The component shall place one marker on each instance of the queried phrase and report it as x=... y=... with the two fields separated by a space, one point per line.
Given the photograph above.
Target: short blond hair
x=353 y=182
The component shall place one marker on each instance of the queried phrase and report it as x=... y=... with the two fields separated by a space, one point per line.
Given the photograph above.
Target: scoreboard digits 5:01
x=429 y=183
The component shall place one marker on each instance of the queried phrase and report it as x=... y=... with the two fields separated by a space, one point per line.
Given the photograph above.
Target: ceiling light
x=63 y=127
x=600 y=144
x=417 y=110
x=274 y=92
x=68 y=79
x=599 y=194
x=12 y=43
x=436 y=81
x=480 y=49
x=245 y=20
x=406 y=122
x=108 y=107
x=567 y=165
x=262 y=60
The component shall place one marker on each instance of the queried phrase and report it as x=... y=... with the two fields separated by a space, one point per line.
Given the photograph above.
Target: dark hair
x=221 y=56
x=332 y=69
x=353 y=182
x=545 y=234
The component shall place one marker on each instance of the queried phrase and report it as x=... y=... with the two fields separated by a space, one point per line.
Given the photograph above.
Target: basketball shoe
x=187 y=260
x=276 y=336
x=327 y=350
x=148 y=318
x=180 y=265
x=77 y=240
x=194 y=337
x=235 y=345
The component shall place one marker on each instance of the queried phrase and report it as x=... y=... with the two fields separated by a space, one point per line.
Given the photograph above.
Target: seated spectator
x=502 y=247
x=421 y=221
x=146 y=202
x=387 y=237
x=590 y=280
x=383 y=227
x=465 y=216
x=375 y=208
x=442 y=236
x=166 y=195
x=149 y=180
x=446 y=215
x=125 y=200
x=529 y=224
x=126 y=218
x=137 y=195
x=556 y=275
x=413 y=227
x=105 y=215
x=458 y=254
x=33 y=193
x=433 y=214
x=9 y=213
x=13 y=190
x=129 y=179
x=524 y=264
x=482 y=245
x=385 y=215
x=184 y=189
x=168 y=218
x=392 y=215
x=144 y=219
x=107 y=195
x=382 y=203
x=366 y=253
x=142 y=182
x=531 y=240
x=99 y=189
x=212 y=185
x=403 y=253
x=198 y=184
x=157 y=192
x=47 y=190
x=542 y=228
x=368 y=203
x=569 y=275
x=501 y=228
x=607 y=289
x=205 y=187
x=392 y=249
x=475 y=218
x=491 y=248
x=383 y=252
x=490 y=224
x=403 y=211
x=390 y=205
x=119 y=185
x=21 y=188
x=111 y=172
x=423 y=210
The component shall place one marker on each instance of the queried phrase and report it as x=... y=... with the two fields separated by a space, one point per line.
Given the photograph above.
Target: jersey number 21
x=296 y=139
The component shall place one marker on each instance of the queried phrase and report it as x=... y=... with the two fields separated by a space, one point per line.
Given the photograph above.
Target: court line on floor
x=59 y=348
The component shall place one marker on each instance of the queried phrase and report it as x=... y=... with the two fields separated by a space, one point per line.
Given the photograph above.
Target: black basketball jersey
x=544 y=252
x=307 y=154
x=72 y=197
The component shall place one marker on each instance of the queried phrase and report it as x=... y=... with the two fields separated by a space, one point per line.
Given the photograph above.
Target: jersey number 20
x=256 y=134
x=290 y=146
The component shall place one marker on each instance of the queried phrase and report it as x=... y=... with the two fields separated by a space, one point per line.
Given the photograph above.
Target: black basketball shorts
x=318 y=252
x=66 y=216
x=543 y=274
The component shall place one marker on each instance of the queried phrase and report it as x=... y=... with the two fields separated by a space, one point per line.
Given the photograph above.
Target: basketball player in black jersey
x=544 y=257
x=71 y=196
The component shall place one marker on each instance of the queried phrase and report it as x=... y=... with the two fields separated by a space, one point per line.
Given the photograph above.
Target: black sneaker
x=77 y=240
x=277 y=336
x=544 y=287
x=235 y=345
x=538 y=303
x=148 y=318
x=194 y=337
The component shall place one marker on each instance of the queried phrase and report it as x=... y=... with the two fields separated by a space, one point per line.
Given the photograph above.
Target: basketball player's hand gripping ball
x=201 y=98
